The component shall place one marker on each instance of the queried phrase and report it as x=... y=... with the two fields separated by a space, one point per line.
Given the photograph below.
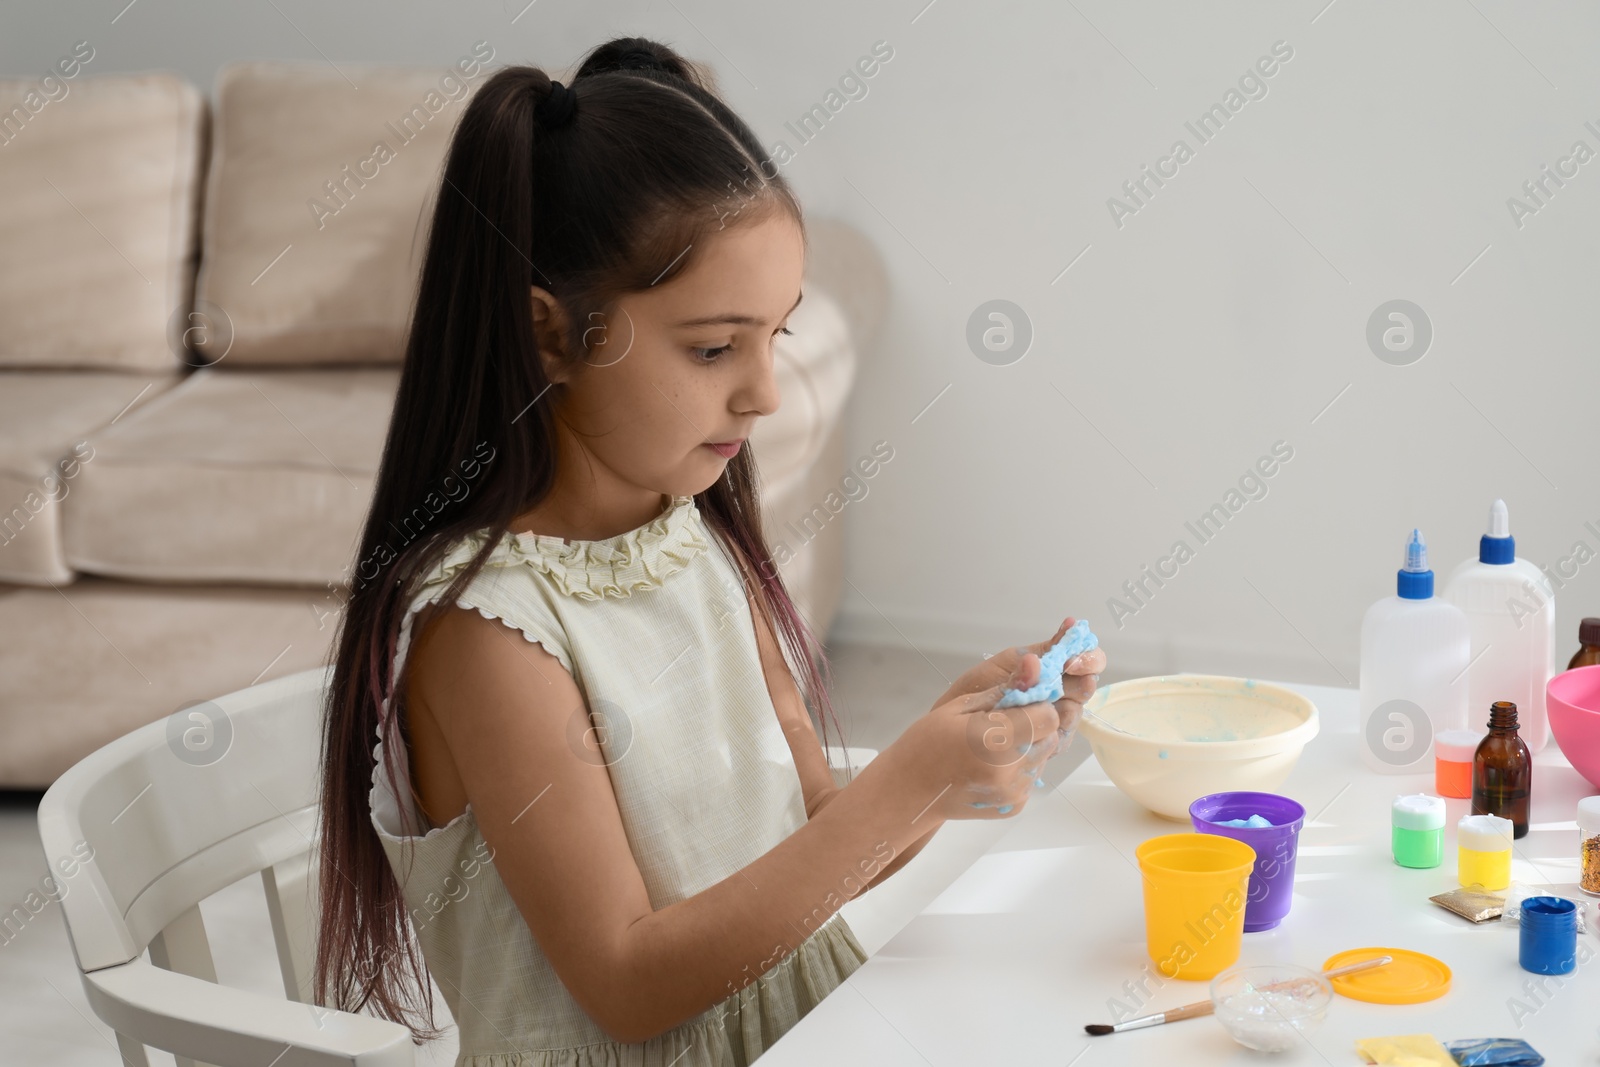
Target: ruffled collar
x=616 y=566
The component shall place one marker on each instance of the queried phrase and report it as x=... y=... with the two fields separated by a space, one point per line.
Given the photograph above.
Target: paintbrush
x=1205 y=1007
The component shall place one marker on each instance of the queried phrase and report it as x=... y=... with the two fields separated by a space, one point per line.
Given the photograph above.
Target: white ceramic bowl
x=1167 y=740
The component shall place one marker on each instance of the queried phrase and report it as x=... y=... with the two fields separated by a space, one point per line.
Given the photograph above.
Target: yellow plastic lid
x=1410 y=978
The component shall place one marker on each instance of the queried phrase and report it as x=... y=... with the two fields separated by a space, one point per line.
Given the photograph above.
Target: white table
x=1009 y=963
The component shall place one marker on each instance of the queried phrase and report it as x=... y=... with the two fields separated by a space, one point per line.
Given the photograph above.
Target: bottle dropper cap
x=1589 y=632
x=1498 y=546
x=1415 y=579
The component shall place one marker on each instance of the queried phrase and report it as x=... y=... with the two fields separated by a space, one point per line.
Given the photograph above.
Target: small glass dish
x=1271 y=1006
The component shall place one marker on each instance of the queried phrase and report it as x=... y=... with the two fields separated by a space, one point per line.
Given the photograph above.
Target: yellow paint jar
x=1483 y=851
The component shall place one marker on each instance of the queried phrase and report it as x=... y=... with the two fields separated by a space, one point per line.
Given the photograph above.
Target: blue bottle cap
x=1415 y=580
x=1498 y=546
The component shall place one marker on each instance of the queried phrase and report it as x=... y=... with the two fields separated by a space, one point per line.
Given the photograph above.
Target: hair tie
x=557 y=108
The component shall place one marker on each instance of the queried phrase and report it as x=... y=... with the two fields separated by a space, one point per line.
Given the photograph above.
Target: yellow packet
x=1409 y=1050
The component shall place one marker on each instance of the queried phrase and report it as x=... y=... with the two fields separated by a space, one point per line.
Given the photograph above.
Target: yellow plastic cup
x=1196 y=887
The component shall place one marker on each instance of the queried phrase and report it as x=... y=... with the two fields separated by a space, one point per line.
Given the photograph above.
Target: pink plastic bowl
x=1573 y=701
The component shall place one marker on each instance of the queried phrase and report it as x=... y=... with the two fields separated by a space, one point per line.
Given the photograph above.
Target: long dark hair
x=605 y=205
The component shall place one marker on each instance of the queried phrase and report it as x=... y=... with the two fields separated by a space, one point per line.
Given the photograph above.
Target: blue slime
x=1078 y=638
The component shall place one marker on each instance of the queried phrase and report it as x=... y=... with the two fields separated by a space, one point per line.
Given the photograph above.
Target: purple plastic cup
x=1272 y=880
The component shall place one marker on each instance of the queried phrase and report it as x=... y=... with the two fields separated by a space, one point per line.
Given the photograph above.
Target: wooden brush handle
x=1188 y=1011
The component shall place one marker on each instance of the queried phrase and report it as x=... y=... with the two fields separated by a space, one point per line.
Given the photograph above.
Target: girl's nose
x=764 y=397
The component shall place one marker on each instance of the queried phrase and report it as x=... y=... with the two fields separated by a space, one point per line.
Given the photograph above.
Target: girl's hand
x=971 y=760
x=1078 y=681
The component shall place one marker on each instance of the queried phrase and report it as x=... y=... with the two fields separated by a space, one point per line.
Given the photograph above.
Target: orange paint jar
x=1452 y=762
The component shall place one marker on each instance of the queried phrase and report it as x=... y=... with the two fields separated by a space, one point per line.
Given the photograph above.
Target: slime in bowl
x=1166 y=740
x=1270 y=1007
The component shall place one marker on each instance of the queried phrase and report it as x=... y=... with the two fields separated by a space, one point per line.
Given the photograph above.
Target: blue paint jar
x=1549 y=935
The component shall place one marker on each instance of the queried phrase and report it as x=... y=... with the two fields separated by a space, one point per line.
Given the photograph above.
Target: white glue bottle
x=1511 y=609
x=1415 y=649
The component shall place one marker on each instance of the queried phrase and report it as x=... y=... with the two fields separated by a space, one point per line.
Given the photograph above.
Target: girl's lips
x=727 y=451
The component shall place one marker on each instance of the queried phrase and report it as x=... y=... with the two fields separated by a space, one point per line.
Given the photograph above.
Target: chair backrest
x=140 y=831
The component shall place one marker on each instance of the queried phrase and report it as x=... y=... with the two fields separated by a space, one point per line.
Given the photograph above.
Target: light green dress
x=656 y=630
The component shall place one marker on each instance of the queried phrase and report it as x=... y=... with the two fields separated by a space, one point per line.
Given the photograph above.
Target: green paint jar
x=1418 y=830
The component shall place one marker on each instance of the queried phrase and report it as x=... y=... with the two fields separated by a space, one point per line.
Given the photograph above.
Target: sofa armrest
x=845 y=262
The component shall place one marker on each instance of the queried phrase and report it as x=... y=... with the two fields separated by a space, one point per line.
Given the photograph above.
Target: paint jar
x=1483 y=846
x=1196 y=887
x=1589 y=845
x=1549 y=935
x=1417 y=833
x=1452 y=762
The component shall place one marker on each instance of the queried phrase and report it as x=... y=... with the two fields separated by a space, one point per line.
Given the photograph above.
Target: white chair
x=142 y=830
x=170 y=814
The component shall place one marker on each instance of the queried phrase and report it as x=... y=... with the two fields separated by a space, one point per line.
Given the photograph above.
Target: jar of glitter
x=1589 y=845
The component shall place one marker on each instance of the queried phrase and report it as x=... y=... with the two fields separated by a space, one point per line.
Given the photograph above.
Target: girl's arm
x=816 y=779
x=905 y=854
x=502 y=706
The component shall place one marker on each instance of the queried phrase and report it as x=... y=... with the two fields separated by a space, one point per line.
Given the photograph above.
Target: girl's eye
x=707 y=357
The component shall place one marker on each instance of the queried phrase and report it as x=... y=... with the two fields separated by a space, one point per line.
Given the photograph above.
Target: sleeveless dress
x=655 y=629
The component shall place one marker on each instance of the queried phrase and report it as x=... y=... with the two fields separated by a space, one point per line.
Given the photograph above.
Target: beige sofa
x=203 y=308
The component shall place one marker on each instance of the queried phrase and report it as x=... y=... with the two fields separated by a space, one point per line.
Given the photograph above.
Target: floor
x=46 y=1022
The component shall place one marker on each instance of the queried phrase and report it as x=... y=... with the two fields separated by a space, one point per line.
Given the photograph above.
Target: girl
x=592 y=794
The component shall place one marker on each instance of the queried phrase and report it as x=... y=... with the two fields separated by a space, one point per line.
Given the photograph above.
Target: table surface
x=1039 y=935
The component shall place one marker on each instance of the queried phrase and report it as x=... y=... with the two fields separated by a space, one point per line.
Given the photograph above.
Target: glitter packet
x=1473 y=903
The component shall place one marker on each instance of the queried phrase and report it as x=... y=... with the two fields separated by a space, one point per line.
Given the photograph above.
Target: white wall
x=1225 y=315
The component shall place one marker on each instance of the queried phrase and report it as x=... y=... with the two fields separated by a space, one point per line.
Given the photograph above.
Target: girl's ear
x=551 y=333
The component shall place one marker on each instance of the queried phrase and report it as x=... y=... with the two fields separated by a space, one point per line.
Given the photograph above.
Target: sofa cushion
x=316 y=200
x=46 y=420
x=235 y=476
x=98 y=197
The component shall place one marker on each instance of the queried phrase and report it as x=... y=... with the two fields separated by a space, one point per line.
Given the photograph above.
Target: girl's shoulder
x=540 y=584
x=617 y=567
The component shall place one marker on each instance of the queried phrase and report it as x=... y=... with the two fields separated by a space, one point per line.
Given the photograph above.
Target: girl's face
x=675 y=368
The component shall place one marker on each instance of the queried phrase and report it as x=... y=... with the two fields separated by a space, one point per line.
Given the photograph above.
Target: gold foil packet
x=1473 y=903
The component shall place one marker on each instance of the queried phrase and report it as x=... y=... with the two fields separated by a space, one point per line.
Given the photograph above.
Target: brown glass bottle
x=1502 y=770
x=1588 y=653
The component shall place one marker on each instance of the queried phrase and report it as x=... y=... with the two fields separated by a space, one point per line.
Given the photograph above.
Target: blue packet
x=1494 y=1052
